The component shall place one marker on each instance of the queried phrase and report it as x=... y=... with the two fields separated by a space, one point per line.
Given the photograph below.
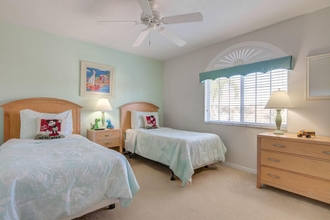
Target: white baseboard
x=239 y=167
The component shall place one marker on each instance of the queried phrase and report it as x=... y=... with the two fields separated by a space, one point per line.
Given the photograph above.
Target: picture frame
x=318 y=77
x=96 y=79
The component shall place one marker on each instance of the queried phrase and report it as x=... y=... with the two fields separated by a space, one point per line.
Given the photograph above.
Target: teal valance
x=262 y=66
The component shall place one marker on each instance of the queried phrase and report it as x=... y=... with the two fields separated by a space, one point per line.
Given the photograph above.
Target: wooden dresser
x=298 y=165
x=109 y=138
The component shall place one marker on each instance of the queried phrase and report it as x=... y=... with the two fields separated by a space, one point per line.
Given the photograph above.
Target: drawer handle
x=326 y=152
x=108 y=143
x=273 y=176
x=279 y=145
x=273 y=160
x=107 y=135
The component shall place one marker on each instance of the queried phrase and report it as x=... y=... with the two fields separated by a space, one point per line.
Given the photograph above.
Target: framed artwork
x=96 y=79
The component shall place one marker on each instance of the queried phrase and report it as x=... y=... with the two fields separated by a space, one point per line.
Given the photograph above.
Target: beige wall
x=184 y=95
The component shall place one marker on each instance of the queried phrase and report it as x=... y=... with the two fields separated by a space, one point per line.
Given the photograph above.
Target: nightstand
x=108 y=138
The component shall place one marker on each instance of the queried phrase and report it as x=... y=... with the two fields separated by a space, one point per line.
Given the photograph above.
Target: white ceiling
x=223 y=19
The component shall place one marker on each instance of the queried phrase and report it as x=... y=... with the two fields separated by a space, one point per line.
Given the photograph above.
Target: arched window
x=239 y=81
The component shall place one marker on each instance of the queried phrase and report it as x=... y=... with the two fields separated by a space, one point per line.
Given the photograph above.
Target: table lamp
x=279 y=100
x=103 y=105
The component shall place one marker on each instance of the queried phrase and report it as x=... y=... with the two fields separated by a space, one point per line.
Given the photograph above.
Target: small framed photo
x=96 y=79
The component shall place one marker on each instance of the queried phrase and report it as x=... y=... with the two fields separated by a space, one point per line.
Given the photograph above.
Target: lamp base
x=278 y=122
x=103 y=120
x=278 y=132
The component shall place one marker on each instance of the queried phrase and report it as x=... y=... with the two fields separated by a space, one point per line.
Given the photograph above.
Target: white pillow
x=29 y=122
x=137 y=120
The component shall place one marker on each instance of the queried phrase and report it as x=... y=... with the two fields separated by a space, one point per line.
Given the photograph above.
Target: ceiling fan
x=153 y=19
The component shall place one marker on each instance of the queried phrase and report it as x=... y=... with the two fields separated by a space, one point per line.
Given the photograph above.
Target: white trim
x=249 y=170
x=250 y=125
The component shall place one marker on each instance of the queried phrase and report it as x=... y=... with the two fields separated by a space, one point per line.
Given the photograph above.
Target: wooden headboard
x=46 y=105
x=125 y=114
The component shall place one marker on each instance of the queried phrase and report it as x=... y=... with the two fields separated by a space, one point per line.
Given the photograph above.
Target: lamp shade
x=103 y=104
x=279 y=100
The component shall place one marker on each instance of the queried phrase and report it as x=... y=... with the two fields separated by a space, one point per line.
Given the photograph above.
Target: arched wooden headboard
x=125 y=114
x=46 y=105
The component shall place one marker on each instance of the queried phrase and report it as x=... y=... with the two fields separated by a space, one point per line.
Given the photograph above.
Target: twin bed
x=60 y=178
x=69 y=177
x=182 y=151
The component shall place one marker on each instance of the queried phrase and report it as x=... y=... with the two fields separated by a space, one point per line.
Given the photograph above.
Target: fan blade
x=145 y=7
x=185 y=18
x=141 y=37
x=175 y=39
x=108 y=22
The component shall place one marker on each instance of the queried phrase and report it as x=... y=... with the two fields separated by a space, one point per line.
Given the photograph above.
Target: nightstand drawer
x=306 y=149
x=108 y=138
x=107 y=135
x=109 y=143
x=309 y=166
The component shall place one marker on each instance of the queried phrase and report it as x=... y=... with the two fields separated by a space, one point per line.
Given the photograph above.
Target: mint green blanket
x=182 y=151
x=52 y=179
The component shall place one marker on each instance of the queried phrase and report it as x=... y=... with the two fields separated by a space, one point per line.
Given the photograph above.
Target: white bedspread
x=51 y=179
x=182 y=151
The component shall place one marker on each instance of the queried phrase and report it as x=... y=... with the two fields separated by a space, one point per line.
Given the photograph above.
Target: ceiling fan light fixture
x=153 y=19
x=152 y=26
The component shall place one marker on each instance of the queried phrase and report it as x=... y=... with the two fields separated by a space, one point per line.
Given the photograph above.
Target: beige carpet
x=218 y=192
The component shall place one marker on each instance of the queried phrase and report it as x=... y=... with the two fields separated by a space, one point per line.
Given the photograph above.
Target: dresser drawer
x=107 y=135
x=298 y=164
x=302 y=148
x=109 y=143
x=298 y=183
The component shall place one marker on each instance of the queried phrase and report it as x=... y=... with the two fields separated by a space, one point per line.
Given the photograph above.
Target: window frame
x=272 y=114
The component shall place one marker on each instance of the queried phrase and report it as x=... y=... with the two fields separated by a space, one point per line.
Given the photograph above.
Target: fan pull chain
x=149 y=39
